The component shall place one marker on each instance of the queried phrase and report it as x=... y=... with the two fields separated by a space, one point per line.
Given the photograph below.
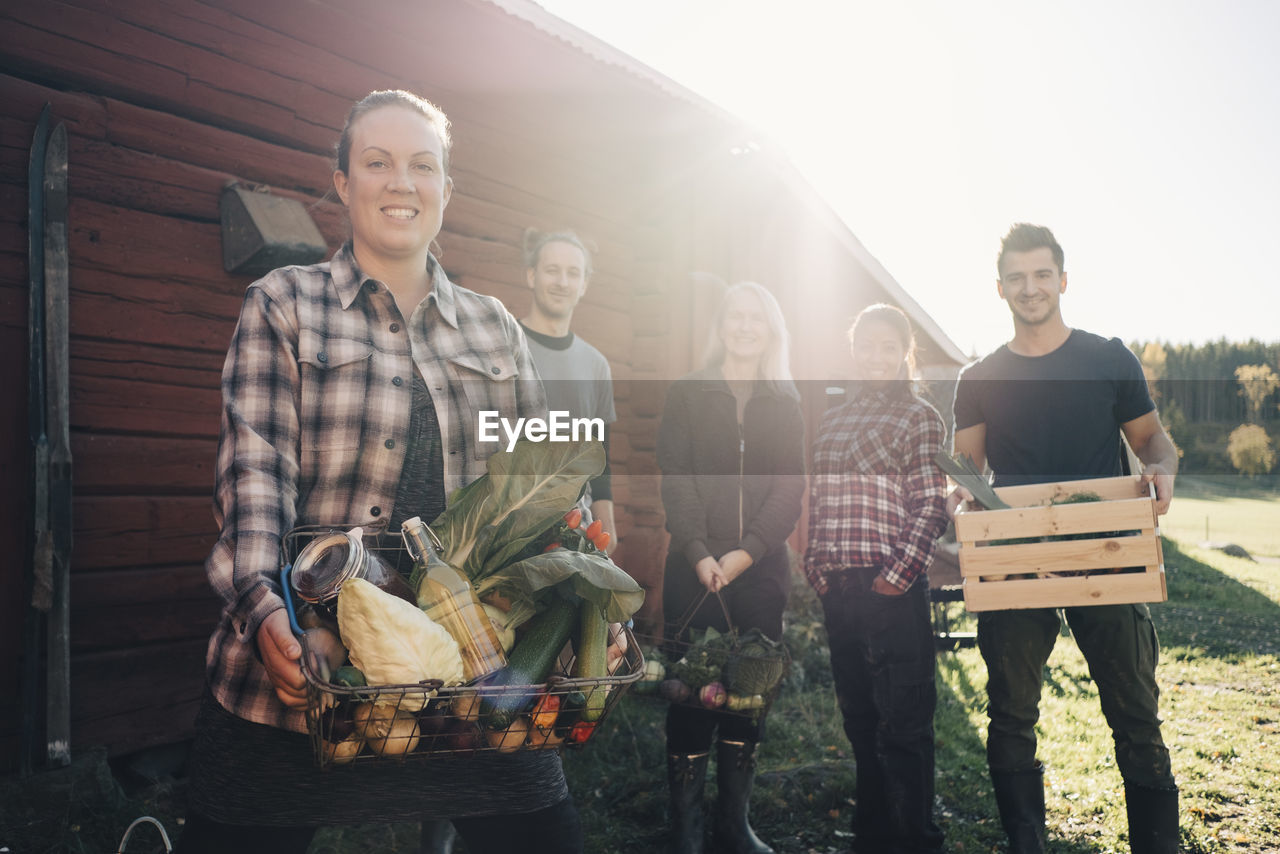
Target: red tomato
x=581 y=731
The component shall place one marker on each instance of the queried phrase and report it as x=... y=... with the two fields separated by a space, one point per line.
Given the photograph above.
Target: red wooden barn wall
x=166 y=102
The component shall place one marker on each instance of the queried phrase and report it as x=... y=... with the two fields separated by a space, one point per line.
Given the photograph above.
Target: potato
x=342 y=752
x=512 y=738
x=387 y=731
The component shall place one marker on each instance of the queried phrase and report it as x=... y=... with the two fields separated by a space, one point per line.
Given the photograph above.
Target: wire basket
x=414 y=721
x=726 y=668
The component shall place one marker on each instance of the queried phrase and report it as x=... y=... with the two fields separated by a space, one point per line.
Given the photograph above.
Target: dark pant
x=755 y=600
x=882 y=658
x=554 y=830
x=1119 y=644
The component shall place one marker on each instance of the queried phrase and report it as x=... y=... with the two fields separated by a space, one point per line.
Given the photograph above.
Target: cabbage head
x=393 y=642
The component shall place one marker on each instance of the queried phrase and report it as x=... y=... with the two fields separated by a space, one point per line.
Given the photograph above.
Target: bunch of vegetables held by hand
x=717 y=670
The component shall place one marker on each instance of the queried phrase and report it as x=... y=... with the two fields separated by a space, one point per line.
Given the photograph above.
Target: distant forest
x=1198 y=381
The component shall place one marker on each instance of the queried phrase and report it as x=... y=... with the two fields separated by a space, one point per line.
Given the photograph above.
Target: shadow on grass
x=1210 y=613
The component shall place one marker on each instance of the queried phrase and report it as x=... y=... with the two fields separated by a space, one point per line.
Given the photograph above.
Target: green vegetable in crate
x=759 y=665
x=530 y=662
x=393 y=643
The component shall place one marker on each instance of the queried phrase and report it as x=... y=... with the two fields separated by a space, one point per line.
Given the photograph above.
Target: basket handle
x=687 y=617
x=288 y=599
x=146 y=819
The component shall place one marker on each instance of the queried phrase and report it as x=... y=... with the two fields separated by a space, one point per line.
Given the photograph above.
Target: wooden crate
x=1115 y=558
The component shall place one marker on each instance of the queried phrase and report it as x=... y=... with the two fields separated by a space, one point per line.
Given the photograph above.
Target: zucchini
x=592 y=659
x=529 y=663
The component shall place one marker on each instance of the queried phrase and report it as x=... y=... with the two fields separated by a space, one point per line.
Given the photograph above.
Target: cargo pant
x=882 y=658
x=1119 y=644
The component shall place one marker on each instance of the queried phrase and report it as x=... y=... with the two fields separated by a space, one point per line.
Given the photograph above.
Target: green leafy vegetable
x=590 y=575
x=759 y=665
x=495 y=517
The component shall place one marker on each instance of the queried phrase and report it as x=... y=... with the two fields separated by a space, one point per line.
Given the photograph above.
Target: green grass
x=1219 y=672
x=1231 y=510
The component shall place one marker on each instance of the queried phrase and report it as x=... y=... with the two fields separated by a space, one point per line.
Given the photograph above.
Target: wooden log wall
x=164 y=104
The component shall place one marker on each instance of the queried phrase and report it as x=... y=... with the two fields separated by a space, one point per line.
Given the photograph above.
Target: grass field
x=1225 y=509
x=1219 y=672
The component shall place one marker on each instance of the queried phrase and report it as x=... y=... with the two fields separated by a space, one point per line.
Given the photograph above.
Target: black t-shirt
x=1057 y=416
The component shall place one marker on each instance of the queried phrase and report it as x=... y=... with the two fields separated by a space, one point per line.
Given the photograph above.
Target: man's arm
x=970 y=442
x=1159 y=456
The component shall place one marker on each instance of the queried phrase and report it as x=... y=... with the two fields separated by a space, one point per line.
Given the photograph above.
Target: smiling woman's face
x=878 y=352
x=395 y=189
x=745 y=328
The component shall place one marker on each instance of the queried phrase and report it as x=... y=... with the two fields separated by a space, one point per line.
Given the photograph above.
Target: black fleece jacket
x=721 y=488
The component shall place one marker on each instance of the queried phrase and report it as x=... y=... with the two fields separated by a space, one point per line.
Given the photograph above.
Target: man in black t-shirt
x=1051 y=405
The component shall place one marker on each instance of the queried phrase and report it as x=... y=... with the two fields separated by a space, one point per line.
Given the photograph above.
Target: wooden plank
x=92 y=358
x=138 y=531
x=150 y=726
x=132 y=607
x=131 y=310
x=1107 y=488
x=103 y=53
x=1055 y=520
x=83 y=114
x=113 y=404
x=129 y=698
x=252 y=159
x=1062 y=556
x=1065 y=592
x=143 y=465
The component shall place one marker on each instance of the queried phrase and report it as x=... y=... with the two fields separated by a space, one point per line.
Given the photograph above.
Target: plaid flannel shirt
x=316 y=392
x=876 y=497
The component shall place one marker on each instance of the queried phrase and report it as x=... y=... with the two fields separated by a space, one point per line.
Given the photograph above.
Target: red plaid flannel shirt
x=876 y=497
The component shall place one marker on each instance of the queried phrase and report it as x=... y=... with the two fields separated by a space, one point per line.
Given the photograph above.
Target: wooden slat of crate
x=1063 y=556
x=1120 y=589
x=1064 y=566
x=1107 y=488
x=1055 y=520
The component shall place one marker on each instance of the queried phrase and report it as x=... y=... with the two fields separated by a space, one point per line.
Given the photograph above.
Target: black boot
x=736 y=773
x=437 y=836
x=686 y=780
x=1153 y=819
x=1020 y=797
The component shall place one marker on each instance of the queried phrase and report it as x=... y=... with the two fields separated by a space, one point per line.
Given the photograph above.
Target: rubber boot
x=437 y=836
x=1153 y=819
x=1020 y=798
x=686 y=781
x=736 y=774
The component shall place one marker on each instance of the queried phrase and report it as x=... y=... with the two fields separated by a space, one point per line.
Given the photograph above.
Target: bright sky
x=1145 y=133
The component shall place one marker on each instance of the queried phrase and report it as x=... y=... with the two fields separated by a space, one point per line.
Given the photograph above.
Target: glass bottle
x=447 y=597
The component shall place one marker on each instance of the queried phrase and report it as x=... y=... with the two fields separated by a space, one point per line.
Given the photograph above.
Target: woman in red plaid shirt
x=877 y=506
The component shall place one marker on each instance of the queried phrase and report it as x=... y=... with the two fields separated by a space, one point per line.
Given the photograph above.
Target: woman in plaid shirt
x=877 y=506
x=350 y=396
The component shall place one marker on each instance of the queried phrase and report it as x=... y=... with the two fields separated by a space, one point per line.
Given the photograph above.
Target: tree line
x=1219 y=381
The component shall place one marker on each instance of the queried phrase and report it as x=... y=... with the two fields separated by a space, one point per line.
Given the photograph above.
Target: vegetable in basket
x=758 y=666
x=493 y=527
x=394 y=643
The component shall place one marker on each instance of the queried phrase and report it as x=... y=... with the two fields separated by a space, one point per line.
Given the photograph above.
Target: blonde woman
x=731 y=450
